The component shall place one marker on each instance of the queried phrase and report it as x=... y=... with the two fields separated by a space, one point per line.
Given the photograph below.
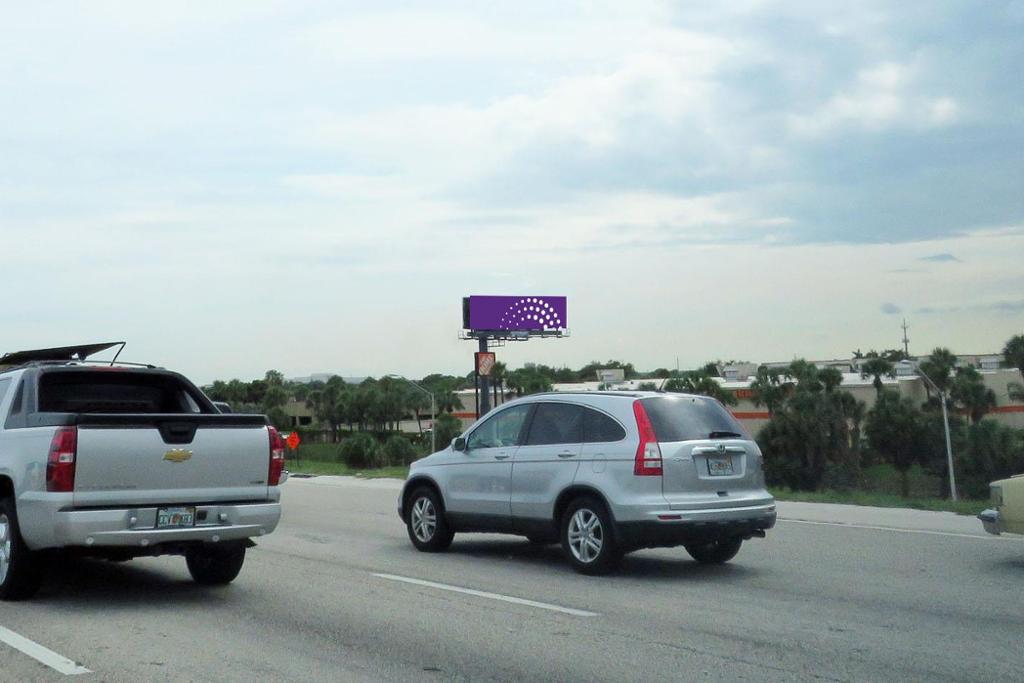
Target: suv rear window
x=113 y=391
x=685 y=418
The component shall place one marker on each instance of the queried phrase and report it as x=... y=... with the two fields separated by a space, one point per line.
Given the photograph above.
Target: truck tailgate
x=150 y=459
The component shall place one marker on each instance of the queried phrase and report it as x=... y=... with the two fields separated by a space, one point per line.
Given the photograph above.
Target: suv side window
x=556 y=423
x=500 y=430
x=599 y=428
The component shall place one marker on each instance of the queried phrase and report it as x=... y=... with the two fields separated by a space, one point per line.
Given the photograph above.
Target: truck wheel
x=588 y=538
x=215 y=565
x=425 y=521
x=21 y=571
x=715 y=552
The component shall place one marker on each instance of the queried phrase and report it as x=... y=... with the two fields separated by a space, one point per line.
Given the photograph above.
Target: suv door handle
x=566 y=454
x=502 y=456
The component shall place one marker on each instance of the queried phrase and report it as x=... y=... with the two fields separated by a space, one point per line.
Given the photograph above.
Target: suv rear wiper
x=723 y=435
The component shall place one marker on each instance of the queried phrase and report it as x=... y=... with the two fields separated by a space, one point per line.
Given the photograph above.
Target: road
x=835 y=596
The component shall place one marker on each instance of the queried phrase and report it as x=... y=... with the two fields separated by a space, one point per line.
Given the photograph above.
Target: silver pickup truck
x=119 y=462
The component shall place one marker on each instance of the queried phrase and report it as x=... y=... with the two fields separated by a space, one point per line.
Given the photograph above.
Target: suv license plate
x=720 y=467
x=174 y=518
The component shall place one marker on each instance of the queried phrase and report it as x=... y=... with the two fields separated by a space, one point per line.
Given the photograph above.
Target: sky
x=314 y=186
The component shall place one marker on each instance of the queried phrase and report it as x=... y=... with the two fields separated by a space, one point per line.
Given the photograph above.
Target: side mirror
x=459 y=443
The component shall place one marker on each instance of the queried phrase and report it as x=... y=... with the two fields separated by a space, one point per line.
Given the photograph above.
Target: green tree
x=877 y=367
x=397 y=451
x=447 y=427
x=769 y=389
x=1013 y=352
x=969 y=392
x=894 y=431
x=939 y=369
x=994 y=451
x=361 y=451
x=527 y=381
x=699 y=382
x=809 y=434
x=331 y=404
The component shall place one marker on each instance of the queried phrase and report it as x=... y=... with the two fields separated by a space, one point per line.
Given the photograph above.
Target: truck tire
x=215 y=565
x=21 y=570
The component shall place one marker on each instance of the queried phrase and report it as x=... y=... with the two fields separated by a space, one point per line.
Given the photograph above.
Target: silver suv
x=603 y=473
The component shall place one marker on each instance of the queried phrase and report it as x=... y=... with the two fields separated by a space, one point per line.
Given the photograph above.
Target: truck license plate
x=720 y=467
x=173 y=518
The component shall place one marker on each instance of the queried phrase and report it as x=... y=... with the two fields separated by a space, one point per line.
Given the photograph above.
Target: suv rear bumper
x=673 y=527
x=135 y=527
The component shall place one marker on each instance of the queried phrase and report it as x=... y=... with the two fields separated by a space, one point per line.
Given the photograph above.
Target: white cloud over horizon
x=314 y=186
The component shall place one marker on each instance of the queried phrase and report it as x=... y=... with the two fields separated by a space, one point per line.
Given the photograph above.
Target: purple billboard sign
x=529 y=313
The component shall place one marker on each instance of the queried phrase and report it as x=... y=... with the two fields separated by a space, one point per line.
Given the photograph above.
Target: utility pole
x=906 y=340
x=485 y=394
x=945 y=424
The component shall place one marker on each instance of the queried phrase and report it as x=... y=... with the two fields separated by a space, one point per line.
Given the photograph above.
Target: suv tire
x=425 y=521
x=588 y=537
x=718 y=551
x=21 y=570
x=215 y=565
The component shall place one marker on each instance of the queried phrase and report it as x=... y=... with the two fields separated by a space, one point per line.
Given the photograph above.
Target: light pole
x=945 y=424
x=433 y=411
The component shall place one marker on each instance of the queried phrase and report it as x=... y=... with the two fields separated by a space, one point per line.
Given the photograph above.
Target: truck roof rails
x=61 y=353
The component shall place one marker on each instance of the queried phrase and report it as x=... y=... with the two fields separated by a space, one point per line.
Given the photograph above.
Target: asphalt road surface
x=338 y=593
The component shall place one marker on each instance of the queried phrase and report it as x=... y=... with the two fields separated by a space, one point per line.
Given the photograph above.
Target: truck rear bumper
x=136 y=527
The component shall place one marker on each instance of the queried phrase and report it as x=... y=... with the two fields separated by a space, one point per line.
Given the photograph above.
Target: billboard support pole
x=485 y=394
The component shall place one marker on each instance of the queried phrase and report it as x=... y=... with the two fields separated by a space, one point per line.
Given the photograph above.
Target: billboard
x=530 y=313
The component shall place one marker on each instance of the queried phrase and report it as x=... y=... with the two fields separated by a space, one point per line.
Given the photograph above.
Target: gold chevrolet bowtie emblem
x=177 y=455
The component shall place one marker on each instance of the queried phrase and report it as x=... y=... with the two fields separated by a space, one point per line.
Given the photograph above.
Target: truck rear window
x=685 y=418
x=99 y=391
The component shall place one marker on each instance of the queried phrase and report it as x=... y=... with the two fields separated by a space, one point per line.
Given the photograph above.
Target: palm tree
x=498 y=374
x=769 y=389
x=939 y=368
x=698 y=382
x=968 y=390
x=1013 y=352
x=877 y=367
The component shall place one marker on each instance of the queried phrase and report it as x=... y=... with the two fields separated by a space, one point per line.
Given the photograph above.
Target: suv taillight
x=648 y=453
x=276 y=457
x=60 y=465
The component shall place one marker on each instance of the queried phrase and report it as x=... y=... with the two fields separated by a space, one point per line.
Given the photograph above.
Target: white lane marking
x=41 y=654
x=926 y=532
x=490 y=596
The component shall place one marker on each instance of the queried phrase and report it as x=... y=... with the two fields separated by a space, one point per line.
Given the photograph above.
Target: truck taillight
x=276 y=457
x=60 y=465
x=648 y=453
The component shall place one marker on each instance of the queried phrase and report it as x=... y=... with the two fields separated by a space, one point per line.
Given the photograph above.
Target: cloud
x=1014 y=306
x=891 y=309
x=940 y=258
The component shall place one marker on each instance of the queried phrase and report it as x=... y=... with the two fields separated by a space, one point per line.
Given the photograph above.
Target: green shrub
x=361 y=451
x=448 y=427
x=398 y=450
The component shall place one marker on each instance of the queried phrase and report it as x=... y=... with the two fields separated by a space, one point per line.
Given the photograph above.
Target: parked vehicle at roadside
x=602 y=473
x=1007 y=512
x=121 y=461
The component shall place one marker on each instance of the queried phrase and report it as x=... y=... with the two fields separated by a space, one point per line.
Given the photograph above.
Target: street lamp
x=433 y=411
x=945 y=424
